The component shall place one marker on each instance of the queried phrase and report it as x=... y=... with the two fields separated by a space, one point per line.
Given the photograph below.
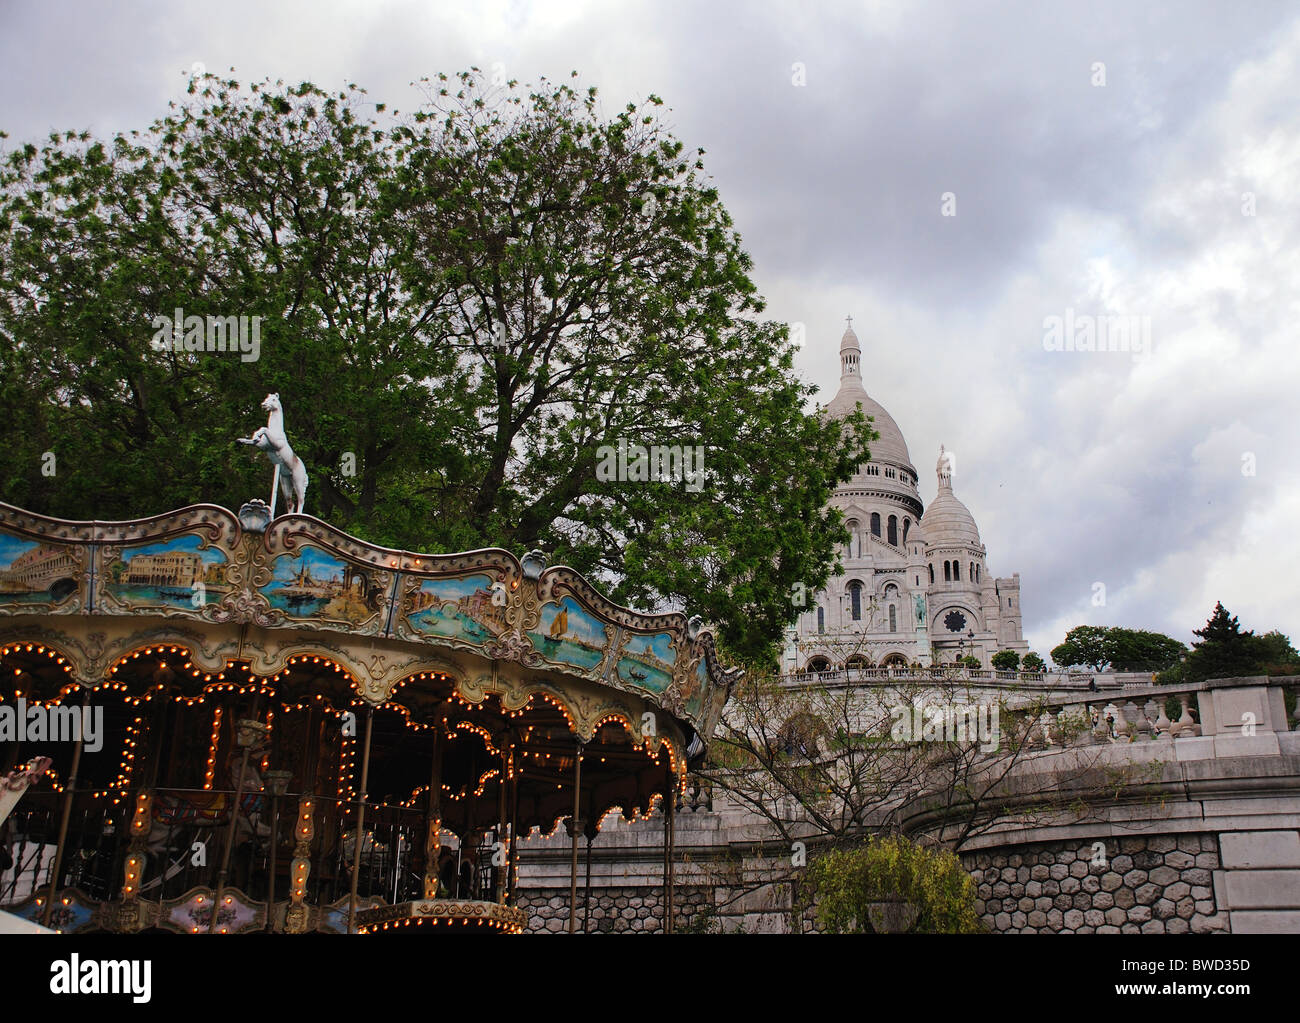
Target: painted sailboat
x=555 y=635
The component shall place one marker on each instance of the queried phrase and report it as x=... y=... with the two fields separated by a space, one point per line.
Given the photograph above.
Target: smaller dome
x=948 y=521
x=849 y=342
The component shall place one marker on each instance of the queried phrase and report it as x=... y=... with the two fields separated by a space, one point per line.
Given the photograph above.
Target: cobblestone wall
x=1157 y=885
x=614 y=910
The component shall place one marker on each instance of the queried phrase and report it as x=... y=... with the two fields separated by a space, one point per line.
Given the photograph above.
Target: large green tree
x=1101 y=646
x=463 y=309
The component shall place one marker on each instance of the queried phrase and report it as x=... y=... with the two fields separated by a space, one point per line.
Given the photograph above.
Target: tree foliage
x=1226 y=651
x=1006 y=660
x=847 y=884
x=1032 y=662
x=461 y=309
x=1100 y=646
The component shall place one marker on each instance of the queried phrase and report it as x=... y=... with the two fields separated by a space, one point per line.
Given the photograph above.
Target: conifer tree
x=1224 y=650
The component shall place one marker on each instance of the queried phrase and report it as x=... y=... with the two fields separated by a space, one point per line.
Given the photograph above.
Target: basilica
x=916 y=587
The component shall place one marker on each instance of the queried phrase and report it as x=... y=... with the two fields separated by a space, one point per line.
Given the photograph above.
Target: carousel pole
x=503 y=871
x=229 y=848
x=68 y=791
x=586 y=895
x=433 y=819
x=670 y=803
x=514 y=829
x=361 y=820
x=575 y=831
x=278 y=781
x=275 y=488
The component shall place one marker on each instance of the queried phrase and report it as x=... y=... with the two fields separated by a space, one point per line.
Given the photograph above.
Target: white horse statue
x=289 y=468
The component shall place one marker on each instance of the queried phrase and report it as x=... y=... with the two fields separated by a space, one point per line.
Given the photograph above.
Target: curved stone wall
x=1157 y=885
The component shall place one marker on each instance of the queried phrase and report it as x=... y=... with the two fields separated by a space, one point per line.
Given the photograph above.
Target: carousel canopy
x=201 y=600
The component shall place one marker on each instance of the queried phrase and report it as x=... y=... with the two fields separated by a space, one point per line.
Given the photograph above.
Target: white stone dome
x=947 y=521
x=891 y=447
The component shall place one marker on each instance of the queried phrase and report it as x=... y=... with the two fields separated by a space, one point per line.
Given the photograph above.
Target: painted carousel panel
x=314 y=585
x=182 y=572
x=470 y=609
x=37 y=576
x=696 y=689
x=568 y=634
x=647 y=661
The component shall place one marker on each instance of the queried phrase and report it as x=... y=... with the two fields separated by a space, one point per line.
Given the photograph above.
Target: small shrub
x=1006 y=660
x=844 y=883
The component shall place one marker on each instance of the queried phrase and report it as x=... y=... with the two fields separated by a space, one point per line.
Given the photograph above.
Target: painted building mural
x=466 y=609
x=180 y=572
x=36 y=573
x=647 y=662
x=311 y=584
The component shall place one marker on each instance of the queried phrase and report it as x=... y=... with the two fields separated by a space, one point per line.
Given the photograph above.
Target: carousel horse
x=182 y=820
x=271 y=438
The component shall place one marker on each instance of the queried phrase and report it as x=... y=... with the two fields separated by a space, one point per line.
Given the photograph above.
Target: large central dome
x=890 y=447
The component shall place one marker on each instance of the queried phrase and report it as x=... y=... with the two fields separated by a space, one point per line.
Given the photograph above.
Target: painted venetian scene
x=180 y=573
x=35 y=573
x=569 y=635
x=647 y=661
x=457 y=609
x=313 y=584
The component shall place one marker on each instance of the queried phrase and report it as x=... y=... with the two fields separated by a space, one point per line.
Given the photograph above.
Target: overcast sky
x=834 y=131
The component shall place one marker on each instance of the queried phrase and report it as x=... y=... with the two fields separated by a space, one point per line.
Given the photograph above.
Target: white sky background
x=1124 y=199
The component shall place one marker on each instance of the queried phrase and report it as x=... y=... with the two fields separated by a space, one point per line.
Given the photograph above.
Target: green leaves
x=848 y=884
x=1121 y=649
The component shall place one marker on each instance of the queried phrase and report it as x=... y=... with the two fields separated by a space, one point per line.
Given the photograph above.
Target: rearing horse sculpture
x=290 y=470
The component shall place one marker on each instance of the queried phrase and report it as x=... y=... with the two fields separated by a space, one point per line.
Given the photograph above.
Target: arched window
x=893 y=619
x=875 y=523
x=947 y=571
x=906 y=524
x=821 y=619
x=977 y=573
x=855 y=600
x=971 y=576
x=956 y=571
x=931 y=574
x=893 y=530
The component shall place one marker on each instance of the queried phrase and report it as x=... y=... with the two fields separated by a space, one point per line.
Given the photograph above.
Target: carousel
x=236 y=723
